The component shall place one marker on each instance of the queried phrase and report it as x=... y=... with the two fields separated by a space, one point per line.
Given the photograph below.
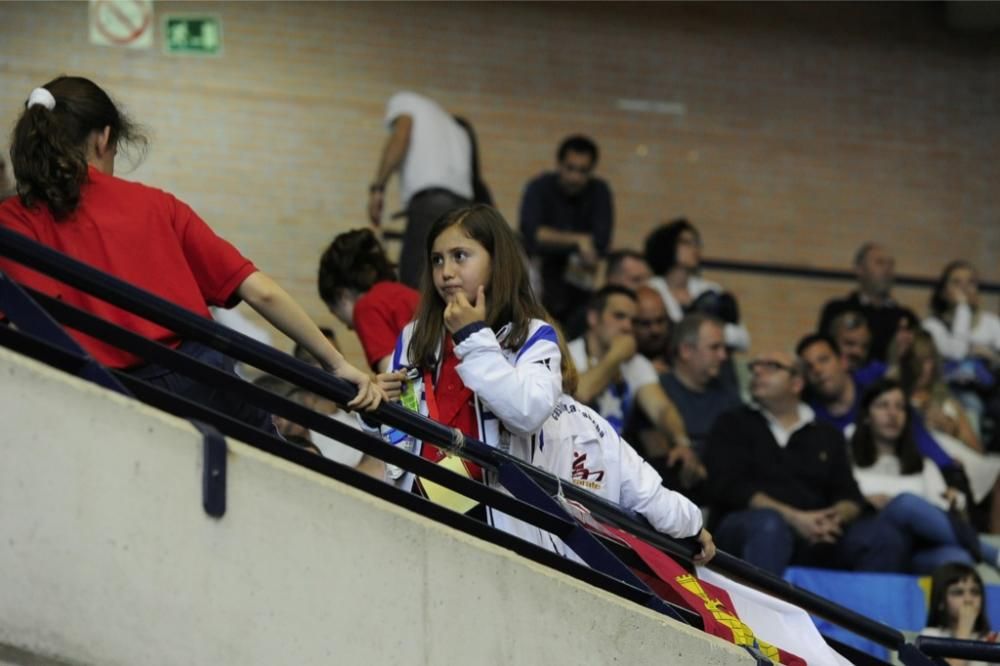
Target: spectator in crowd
x=908 y=490
x=875 y=268
x=967 y=336
x=698 y=351
x=567 y=218
x=358 y=284
x=834 y=395
x=433 y=153
x=957 y=610
x=961 y=329
x=850 y=331
x=282 y=389
x=63 y=154
x=614 y=379
x=781 y=483
x=487 y=362
x=673 y=252
x=652 y=329
x=627 y=268
x=919 y=372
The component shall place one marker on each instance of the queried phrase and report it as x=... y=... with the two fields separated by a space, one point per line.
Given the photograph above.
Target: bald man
x=652 y=328
x=781 y=486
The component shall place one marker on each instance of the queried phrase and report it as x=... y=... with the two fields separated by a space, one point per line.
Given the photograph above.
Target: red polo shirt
x=141 y=235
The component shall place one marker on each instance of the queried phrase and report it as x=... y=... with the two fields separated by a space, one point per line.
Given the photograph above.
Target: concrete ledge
x=106 y=557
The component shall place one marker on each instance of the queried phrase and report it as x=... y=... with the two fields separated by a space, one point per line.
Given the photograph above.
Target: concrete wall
x=806 y=128
x=106 y=557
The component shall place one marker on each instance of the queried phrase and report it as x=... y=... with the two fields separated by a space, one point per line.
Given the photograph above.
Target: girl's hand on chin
x=459 y=313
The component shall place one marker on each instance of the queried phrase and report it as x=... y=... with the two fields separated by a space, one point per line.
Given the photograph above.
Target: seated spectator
x=329 y=447
x=956 y=608
x=282 y=389
x=967 y=336
x=613 y=378
x=875 y=269
x=567 y=218
x=834 y=396
x=698 y=352
x=850 y=331
x=907 y=489
x=919 y=373
x=358 y=284
x=652 y=329
x=627 y=268
x=673 y=252
x=781 y=486
x=902 y=340
x=961 y=329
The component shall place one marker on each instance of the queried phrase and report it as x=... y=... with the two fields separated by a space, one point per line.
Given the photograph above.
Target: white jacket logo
x=583 y=476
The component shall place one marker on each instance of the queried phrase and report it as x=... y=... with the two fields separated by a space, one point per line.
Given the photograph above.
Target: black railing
x=810 y=273
x=531 y=489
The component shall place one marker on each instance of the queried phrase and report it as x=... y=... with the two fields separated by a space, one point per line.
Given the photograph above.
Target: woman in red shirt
x=63 y=157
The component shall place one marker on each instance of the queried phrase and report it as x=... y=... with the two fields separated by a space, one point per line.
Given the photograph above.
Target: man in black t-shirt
x=566 y=221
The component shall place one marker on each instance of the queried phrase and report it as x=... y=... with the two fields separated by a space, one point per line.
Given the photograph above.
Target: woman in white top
x=673 y=252
x=951 y=425
x=961 y=329
x=956 y=608
x=908 y=489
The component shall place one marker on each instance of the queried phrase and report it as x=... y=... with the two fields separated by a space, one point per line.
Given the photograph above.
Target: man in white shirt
x=614 y=379
x=433 y=154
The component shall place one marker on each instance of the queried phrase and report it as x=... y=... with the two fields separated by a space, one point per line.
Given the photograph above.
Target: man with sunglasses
x=567 y=217
x=781 y=487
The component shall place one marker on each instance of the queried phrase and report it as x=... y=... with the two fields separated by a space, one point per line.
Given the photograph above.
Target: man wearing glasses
x=781 y=486
x=567 y=217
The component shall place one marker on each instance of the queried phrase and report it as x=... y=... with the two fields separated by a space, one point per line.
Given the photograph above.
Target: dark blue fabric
x=764 y=539
x=202 y=394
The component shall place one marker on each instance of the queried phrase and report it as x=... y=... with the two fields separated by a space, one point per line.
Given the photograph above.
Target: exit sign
x=195 y=35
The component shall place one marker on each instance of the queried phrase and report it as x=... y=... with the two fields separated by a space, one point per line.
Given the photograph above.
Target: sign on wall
x=127 y=23
x=193 y=35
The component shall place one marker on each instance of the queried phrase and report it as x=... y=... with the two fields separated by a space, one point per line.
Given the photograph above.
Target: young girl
x=956 y=608
x=909 y=489
x=358 y=284
x=63 y=154
x=487 y=362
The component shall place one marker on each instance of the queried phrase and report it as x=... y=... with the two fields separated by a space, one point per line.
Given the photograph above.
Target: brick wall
x=807 y=129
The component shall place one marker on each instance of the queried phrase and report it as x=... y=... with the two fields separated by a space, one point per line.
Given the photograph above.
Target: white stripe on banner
x=777 y=622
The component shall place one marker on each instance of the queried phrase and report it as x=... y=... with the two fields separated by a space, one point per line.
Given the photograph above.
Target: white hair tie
x=41 y=96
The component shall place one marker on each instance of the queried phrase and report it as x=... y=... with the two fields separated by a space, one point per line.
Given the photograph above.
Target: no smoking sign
x=127 y=23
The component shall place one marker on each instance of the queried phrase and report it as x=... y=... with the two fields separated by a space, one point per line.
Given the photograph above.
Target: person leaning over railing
x=63 y=153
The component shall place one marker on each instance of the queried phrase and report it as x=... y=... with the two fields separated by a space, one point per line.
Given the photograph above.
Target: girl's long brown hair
x=509 y=296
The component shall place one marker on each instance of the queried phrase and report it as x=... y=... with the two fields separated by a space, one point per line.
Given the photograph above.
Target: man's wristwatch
x=375 y=187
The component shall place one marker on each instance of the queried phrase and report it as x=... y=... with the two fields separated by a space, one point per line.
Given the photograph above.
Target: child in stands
x=63 y=155
x=486 y=360
x=359 y=286
x=956 y=608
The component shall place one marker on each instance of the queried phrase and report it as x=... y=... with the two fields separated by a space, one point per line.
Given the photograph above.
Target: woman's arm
x=273 y=303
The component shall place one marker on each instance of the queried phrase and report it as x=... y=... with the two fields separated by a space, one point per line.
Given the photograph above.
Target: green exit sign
x=196 y=35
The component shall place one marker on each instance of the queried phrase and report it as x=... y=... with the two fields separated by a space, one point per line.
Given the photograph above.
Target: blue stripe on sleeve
x=398 y=353
x=546 y=332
